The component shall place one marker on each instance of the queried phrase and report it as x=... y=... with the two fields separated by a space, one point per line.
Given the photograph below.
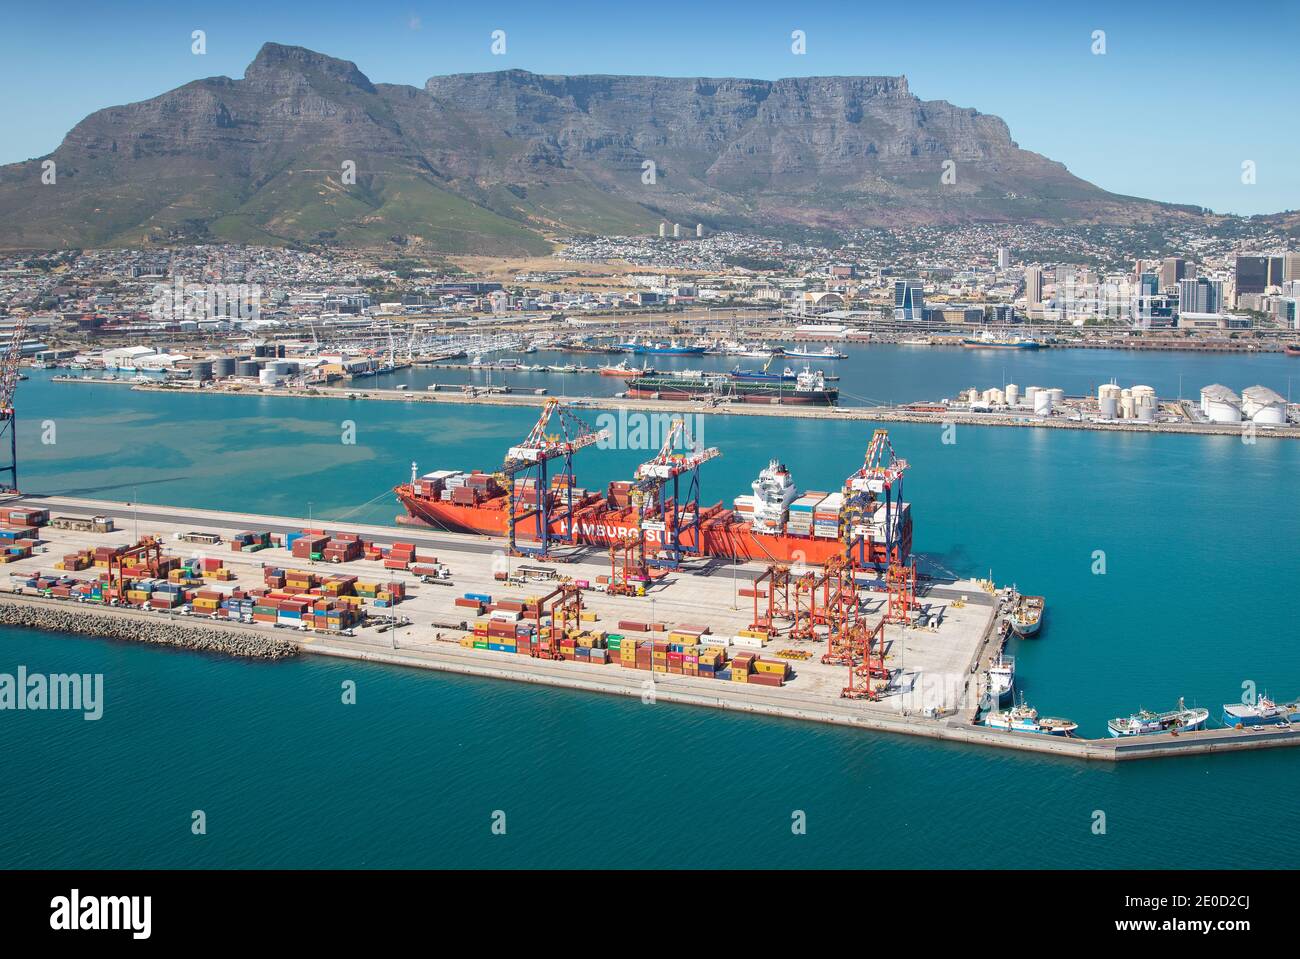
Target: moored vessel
x=1262 y=712
x=866 y=519
x=1026 y=616
x=808 y=388
x=1001 y=679
x=1144 y=722
x=1023 y=718
x=988 y=340
x=825 y=353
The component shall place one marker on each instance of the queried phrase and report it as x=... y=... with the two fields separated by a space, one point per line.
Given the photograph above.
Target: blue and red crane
x=530 y=460
x=675 y=518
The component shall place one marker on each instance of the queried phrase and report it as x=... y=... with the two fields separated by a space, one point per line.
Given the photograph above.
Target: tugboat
x=1027 y=614
x=1144 y=722
x=1261 y=713
x=1025 y=719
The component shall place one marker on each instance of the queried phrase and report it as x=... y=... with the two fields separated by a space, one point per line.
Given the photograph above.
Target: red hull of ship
x=599 y=525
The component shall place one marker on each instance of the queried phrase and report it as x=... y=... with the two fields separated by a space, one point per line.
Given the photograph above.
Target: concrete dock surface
x=938 y=670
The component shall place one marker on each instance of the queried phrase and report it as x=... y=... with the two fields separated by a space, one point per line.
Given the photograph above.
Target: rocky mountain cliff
x=496 y=162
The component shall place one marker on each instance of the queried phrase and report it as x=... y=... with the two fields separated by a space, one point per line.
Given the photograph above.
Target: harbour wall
x=66 y=616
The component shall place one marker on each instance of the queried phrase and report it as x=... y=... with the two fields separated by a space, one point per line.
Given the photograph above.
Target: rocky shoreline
x=60 y=617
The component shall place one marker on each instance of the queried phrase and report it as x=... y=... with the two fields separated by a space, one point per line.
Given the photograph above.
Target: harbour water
x=1197 y=536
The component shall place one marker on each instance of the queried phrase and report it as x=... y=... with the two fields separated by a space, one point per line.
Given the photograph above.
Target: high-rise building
x=699 y=231
x=1148 y=284
x=1004 y=258
x=1255 y=274
x=677 y=231
x=663 y=230
x=909 y=300
x=1200 y=296
x=1033 y=287
x=1173 y=269
x=1290 y=267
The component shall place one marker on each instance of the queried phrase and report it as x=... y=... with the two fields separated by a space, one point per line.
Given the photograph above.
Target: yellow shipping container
x=739 y=676
x=684 y=639
x=588 y=616
x=768 y=666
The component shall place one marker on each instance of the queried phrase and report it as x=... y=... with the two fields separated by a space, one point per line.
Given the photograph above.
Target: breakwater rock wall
x=60 y=616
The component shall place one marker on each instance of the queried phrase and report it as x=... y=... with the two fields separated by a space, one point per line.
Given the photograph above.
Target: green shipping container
x=480 y=645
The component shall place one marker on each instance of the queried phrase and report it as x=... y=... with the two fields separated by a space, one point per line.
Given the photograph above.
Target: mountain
x=497 y=162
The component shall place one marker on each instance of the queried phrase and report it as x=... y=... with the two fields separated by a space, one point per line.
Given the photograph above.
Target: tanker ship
x=775 y=522
x=808 y=387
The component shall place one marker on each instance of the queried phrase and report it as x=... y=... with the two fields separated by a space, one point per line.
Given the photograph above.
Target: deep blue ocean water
x=1200 y=540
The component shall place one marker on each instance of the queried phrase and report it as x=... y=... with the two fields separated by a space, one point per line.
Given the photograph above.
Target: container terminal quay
x=936 y=671
x=1072 y=413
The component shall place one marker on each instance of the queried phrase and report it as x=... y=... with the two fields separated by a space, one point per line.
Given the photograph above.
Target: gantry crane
x=875 y=488
x=667 y=514
x=8 y=424
x=877 y=526
x=148 y=547
x=533 y=456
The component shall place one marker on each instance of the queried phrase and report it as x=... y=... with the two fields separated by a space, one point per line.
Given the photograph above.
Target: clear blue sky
x=1183 y=95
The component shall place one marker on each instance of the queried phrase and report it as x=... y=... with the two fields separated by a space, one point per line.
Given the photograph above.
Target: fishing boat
x=1263 y=712
x=1144 y=722
x=672 y=348
x=1023 y=718
x=1291 y=349
x=617 y=369
x=565 y=368
x=1027 y=614
x=1001 y=679
x=825 y=353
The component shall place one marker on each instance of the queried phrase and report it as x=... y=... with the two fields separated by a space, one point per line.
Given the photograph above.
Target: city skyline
x=1097 y=113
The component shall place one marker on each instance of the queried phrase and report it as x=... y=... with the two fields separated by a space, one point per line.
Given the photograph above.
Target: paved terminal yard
x=937 y=669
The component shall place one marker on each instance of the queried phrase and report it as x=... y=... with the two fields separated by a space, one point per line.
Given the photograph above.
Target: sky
x=1183 y=95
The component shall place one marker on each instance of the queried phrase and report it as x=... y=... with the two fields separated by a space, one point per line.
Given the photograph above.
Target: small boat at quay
x=1027 y=615
x=1262 y=712
x=825 y=353
x=1145 y=723
x=1001 y=679
x=1023 y=718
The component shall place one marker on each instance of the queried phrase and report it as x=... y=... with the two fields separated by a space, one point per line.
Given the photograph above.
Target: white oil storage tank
x=1108 y=407
x=1058 y=396
x=1220 y=404
x=1013 y=394
x=1042 y=403
x=1262 y=405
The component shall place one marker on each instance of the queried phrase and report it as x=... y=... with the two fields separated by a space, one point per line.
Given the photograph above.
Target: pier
x=425 y=631
x=486 y=396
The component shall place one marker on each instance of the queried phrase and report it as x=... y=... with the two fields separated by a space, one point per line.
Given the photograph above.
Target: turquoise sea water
x=1200 y=540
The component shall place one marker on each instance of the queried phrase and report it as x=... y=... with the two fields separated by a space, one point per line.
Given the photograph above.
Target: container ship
x=808 y=388
x=866 y=520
